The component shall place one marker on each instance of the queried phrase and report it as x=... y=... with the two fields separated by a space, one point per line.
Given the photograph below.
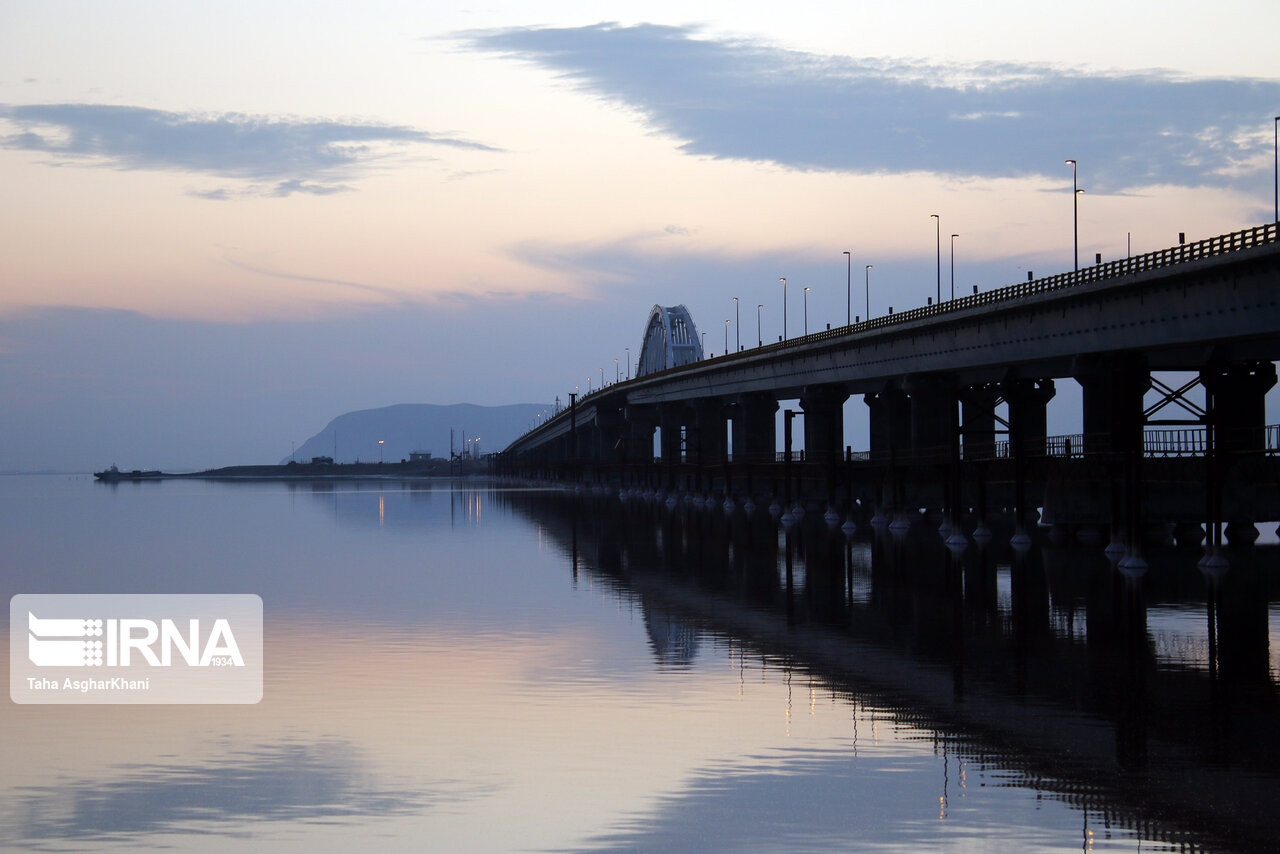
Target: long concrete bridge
x=934 y=379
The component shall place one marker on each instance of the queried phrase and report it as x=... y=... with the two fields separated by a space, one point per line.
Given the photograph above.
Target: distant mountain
x=409 y=427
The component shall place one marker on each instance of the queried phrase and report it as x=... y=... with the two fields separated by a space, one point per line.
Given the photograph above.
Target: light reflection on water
x=471 y=670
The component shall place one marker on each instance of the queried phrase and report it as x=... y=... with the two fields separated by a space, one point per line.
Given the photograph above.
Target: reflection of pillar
x=672 y=420
x=755 y=429
x=933 y=416
x=1239 y=403
x=708 y=446
x=890 y=421
x=978 y=422
x=823 y=422
x=1028 y=419
x=1112 y=393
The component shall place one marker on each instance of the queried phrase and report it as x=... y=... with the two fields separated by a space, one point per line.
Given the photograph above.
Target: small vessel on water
x=114 y=473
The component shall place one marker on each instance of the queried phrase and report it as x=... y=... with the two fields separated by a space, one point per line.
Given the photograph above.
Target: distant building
x=419 y=456
x=322 y=461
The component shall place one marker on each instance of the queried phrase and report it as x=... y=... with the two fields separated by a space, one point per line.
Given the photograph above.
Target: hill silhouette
x=409 y=427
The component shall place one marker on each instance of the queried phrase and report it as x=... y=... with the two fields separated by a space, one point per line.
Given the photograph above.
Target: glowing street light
x=806 y=311
x=953 y=265
x=848 y=274
x=380 y=444
x=1075 y=213
x=783 y=279
x=737 y=323
x=868 y=286
x=937 y=222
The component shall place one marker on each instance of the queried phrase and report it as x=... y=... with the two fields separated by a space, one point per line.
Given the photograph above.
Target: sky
x=223 y=225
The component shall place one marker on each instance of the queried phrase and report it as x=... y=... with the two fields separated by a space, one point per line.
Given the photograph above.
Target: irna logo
x=135 y=648
x=90 y=642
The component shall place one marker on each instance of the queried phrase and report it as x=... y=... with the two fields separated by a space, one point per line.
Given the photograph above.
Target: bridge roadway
x=933 y=377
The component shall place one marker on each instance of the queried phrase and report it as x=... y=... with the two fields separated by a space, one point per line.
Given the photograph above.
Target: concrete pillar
x=641 y=421
x=609 y=426
x=978 y=422
x=823 y=423
x=933 y=416
x=708 y=446
x=1112 y=399
x=1239 y=403
x=1028 y=420
x=672 y=420
x=755 y=432
x=890 y=422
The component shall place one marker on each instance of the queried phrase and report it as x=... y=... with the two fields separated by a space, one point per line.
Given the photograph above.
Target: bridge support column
x=978 y=422
x=933 y=417
x=1028 y=419
x=709 y=444
x=755 y=432
x=1112 y=402
x=1239 y=394
x=672 y=423
x=823 y=423
x=890 y=422
x=640 y=425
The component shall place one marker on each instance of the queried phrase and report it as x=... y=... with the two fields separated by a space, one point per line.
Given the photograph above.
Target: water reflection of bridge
x=1039 y=661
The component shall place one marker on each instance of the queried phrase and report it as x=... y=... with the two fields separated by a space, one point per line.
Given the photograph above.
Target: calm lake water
x=475 y=667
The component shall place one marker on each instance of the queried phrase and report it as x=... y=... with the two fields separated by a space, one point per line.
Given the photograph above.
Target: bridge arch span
x=670 y=340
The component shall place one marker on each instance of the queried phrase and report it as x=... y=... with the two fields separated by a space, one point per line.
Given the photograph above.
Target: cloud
x=749 y=101
x=293 y=155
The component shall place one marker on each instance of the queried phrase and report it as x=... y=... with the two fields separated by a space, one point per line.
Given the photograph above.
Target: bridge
x=964 y=384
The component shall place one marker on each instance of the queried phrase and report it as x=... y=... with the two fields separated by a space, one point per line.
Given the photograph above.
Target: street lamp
x=937 y=222
x=953 y=265
x=380 y=444
x=1075 y=213
x=628 y=363
x=868 y=286
x=1277 y=173
x=726 y=336
x=617 y=371
x=848 y=273
x=737 y=323
x=759 y=337
x=783 y=279
x=806 y=311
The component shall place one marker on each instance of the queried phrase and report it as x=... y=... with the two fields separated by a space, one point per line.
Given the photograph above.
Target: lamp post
x=867 y=272
x=953 y=265
x=1276 y=132
x=628 y=363
x=737 y=323
x=1075 y=214
x=848 y=274
x=617 y=371
x=759 y=337
x=783 y=279
x=937 y=222
x=726 y=336
x=806 y=311
x=380 y=444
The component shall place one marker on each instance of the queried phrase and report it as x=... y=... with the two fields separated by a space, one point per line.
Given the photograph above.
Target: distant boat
x=114 y=473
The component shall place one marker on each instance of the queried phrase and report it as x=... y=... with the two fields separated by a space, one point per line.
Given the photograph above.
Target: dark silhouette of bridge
x=957 y=395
